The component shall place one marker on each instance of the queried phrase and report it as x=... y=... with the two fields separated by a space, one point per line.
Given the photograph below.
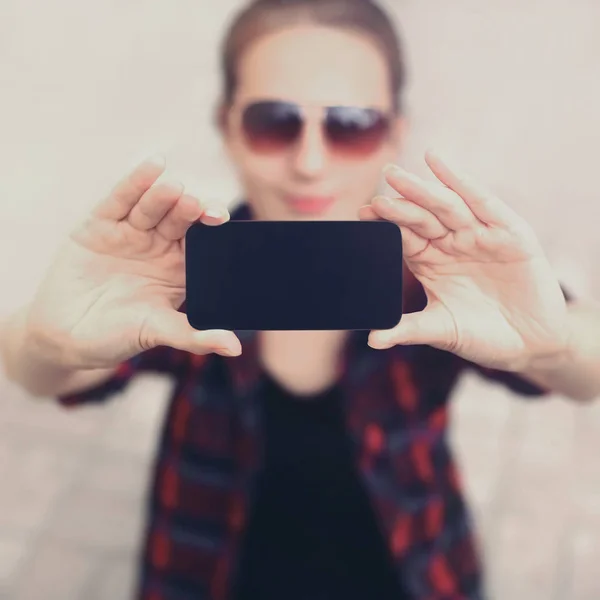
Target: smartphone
x=294 y=275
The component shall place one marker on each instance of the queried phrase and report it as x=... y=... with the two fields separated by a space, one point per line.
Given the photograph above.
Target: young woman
x=312 y=465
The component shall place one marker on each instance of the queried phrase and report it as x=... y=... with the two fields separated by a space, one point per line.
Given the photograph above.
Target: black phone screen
x=294 y=275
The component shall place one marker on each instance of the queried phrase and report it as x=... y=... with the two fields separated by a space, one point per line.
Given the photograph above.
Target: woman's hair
x=262 y=17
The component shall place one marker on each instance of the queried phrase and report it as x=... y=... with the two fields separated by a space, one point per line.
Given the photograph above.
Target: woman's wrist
x=31 y=359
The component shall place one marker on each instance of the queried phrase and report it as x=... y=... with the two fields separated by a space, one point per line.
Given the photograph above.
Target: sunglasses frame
x=310 y=115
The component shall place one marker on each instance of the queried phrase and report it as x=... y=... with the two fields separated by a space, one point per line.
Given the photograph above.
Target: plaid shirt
x=210 y=450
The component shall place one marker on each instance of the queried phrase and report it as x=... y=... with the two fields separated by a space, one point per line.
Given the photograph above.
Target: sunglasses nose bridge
x=311 y=153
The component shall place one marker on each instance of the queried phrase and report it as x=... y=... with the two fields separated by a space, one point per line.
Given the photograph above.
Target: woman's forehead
x=315 y=65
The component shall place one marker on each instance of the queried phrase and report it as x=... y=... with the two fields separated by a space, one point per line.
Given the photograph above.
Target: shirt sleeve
x=161 y=359
x=513 y=381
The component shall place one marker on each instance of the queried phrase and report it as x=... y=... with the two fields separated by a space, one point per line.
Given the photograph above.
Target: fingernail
x=434 y=153
x=231 y=353
x=379 y=346
x=214 y=213
x=173 y=183
x=385 y=200
x=157 y=160
x=391 y=169
x=382 y=341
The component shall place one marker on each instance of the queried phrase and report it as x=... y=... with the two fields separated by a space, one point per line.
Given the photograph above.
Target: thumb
x=168 y=327
x=433 y=326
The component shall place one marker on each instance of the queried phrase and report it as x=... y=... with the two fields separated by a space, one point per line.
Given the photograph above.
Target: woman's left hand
x=492 y=296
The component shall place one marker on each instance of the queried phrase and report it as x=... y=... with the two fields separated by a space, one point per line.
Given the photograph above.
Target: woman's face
x=302 y=173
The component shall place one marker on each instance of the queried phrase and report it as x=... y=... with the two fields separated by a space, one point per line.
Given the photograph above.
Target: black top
x=312 y=534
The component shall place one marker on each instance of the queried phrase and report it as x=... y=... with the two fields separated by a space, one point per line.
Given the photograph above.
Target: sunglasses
x=350 y=132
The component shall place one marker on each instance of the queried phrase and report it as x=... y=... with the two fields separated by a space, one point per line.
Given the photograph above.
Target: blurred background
x=510 y=90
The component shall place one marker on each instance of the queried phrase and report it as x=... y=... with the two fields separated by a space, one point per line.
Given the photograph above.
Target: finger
x=445 y=204
x=433 y=326
x=168 y=327
x=125 y=195
x=154 y=205
x=410 y=215
x=487 y=207
x=186 y=211
x=412 y=244
x=215 y=215
x=367 y=213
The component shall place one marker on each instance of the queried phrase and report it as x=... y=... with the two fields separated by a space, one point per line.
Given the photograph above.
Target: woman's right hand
x=118 y=281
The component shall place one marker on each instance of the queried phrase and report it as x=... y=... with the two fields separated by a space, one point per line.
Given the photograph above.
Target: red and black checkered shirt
x=209 y=453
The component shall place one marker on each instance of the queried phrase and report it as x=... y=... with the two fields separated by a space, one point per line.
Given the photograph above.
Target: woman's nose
x=311 y=153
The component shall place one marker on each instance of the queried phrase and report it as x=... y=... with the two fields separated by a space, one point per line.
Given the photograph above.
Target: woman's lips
x=310 y=204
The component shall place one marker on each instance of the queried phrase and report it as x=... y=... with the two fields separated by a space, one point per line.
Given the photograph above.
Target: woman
x=312 y=464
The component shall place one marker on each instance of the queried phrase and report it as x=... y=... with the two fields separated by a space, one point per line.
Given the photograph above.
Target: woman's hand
x=117 y=283
x=492 y=296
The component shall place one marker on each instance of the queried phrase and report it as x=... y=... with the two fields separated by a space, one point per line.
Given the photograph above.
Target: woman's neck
x=304 y=362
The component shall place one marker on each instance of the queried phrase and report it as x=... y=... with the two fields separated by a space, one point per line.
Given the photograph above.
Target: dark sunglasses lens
x=356 y=132
x=271 y=126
